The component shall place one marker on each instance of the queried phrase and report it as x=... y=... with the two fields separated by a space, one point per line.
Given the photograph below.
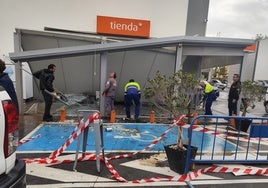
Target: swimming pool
x=119 y=137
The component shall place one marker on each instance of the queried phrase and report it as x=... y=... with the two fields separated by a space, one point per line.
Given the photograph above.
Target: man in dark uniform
x=234 y=95
x=132 y=93
x=46 y=78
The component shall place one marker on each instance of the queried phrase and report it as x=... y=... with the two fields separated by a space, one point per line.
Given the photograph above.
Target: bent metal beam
x=52 y=53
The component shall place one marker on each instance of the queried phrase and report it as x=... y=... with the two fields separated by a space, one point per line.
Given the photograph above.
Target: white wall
x=168 y=18
x=262 y=61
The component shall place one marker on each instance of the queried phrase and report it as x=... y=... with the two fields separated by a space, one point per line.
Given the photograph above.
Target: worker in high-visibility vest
x=209 y=96
x=132 y=93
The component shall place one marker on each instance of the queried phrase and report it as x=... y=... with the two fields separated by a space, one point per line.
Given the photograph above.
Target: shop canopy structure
x=83 y=61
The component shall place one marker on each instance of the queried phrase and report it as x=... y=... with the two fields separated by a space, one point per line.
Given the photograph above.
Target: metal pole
x=97 y=135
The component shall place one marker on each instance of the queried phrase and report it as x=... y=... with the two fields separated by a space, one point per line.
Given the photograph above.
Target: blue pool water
x=128 y=137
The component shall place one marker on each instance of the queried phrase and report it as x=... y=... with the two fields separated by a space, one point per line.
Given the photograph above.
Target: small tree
x=173 y=94
x=251 y=92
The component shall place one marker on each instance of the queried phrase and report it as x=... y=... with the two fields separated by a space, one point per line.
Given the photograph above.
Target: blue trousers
x=129 y=98
x=210 y=97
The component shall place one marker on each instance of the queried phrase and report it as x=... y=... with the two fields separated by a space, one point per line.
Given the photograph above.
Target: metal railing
x=242 y=140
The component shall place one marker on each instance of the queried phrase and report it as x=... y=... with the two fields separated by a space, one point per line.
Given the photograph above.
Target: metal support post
x=98 y=135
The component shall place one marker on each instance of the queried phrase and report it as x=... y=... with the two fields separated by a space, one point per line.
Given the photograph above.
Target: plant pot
x=242 y=124
x=260 y=131
x=177 y=157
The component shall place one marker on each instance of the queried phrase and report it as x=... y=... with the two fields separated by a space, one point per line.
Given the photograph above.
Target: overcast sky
x=237 y=18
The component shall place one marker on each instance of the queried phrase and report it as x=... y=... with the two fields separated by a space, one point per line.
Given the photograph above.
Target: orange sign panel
x=123 y=26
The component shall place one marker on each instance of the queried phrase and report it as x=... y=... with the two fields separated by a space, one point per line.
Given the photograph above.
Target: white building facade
x=172 y=18
x=34 y=25
x=175 y=18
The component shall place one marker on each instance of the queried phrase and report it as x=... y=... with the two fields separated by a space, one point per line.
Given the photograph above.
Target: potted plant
x=174 y=95
x=251 y=92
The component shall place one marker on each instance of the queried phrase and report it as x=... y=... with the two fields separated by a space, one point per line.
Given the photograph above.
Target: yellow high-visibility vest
x=208 y=88
x=132 y=84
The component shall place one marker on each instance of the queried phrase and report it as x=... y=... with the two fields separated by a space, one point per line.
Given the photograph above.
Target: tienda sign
x=123 y=26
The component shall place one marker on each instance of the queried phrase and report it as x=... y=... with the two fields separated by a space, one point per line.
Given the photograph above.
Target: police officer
x=132 y=93
x=233 y=95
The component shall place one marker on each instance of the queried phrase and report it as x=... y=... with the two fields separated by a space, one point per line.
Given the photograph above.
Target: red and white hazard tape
x=223 y=135
x=114 y=172
x=46 y=160
x=213 y=169
x=186 y=177
x=153 y=143
x=252 y=171
x=28 y=139
x=82 y=125
x=52 y=157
